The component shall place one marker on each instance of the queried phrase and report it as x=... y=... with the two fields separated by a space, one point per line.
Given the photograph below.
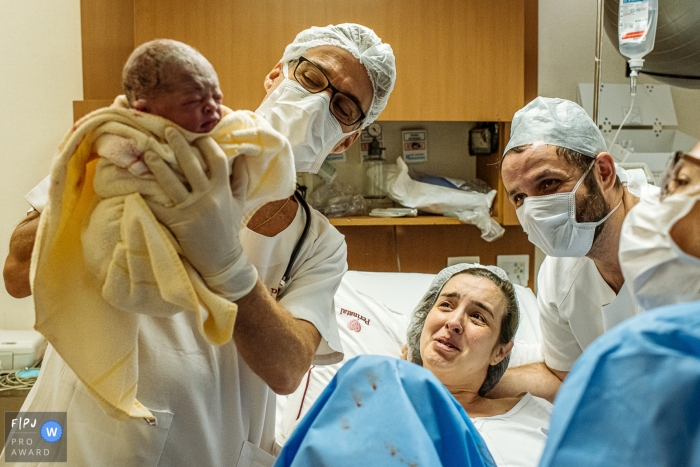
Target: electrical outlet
x=516 y=266
x=462 y=259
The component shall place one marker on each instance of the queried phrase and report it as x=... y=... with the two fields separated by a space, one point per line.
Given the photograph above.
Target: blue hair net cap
x=558 y=122
x=363 y=44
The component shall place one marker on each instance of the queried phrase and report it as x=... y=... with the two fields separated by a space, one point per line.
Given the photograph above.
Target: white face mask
x=550 y=223
x=306 y=120
x=659 y=272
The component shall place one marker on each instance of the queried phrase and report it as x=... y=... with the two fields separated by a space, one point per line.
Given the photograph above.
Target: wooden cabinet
x=457 y=60
x=421 y=246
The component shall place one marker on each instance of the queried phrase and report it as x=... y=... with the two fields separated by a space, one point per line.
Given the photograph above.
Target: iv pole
x=598 y=54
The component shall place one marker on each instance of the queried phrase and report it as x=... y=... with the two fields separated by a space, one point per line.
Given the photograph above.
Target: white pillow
x=373 y=310
x=526 y=343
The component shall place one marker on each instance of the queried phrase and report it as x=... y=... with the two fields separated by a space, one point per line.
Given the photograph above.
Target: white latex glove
x=205 y=218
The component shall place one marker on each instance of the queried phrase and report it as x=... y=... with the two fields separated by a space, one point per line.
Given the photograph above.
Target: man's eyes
x=343 y=111
x=545 y=187
x=548 y=184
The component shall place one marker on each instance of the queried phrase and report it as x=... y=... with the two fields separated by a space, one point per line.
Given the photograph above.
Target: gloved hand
x=206 y=218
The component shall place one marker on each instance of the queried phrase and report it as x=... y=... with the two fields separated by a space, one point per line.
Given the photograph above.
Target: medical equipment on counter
x=337 y=199
x=20 y=349
x=374 y=163
x=636 y=33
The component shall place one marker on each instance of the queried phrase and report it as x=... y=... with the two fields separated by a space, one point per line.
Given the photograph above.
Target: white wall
x=41 y=77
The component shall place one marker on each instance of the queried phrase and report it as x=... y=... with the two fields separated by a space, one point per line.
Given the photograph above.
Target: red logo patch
x=354 y=325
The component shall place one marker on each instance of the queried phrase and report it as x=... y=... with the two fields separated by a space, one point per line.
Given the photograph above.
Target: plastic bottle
x=637 y=32
x=374 y=171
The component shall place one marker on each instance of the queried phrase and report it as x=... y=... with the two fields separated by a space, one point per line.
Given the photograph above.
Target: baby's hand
x=404 y=352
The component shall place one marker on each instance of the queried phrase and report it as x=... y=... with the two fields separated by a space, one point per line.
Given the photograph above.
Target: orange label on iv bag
x=633 y=35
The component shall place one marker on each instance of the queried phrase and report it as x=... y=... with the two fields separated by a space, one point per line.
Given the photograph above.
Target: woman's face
x=460 y=336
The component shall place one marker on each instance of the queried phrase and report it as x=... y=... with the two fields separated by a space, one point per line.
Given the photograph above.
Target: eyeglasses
x=344 y=108
x=671 y=179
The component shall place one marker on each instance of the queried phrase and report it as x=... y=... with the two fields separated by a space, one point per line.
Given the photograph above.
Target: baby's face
x=193 y=101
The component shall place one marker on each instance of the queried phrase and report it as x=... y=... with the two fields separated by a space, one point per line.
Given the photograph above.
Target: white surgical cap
x=556 y=121
x=420 y=313
x=363 y=44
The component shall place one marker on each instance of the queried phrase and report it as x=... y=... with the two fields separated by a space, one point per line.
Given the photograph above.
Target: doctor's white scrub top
x=212 y=409
x=576 y=304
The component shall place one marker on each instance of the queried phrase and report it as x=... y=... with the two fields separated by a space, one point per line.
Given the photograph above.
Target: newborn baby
x=104 y=266
x=172 y=80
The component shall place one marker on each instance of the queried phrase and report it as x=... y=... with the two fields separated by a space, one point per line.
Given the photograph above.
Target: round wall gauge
x=375 y=129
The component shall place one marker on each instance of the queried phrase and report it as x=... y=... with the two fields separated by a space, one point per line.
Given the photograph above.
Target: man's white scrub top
x=212 y=409
x=576 y=304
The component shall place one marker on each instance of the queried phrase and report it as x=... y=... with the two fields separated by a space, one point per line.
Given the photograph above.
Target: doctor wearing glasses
x=215 y=406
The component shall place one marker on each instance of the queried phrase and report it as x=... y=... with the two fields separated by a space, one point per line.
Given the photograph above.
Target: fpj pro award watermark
x=35 y=437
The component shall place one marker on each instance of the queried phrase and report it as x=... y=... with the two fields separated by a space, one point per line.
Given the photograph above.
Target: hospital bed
x=372 y=310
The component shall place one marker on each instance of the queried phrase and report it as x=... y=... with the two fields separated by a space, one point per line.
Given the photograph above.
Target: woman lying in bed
x=462 y=331
x=384 y=411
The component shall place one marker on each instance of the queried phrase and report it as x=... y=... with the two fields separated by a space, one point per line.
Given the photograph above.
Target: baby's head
x=171 y=79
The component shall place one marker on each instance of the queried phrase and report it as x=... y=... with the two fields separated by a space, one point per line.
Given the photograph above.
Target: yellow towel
x=89 y=296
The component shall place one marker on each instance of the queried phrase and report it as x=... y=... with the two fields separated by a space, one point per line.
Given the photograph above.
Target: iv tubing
x=620 y=127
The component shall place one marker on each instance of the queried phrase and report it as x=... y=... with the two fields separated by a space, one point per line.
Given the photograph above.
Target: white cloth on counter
x=212 y=409
x=517 y=438
x=469 y=206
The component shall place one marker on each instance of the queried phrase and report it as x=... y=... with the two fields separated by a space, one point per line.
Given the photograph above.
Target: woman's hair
x=509 y=323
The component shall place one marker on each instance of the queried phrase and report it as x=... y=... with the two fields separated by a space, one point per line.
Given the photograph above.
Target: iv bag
x=637 y=27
